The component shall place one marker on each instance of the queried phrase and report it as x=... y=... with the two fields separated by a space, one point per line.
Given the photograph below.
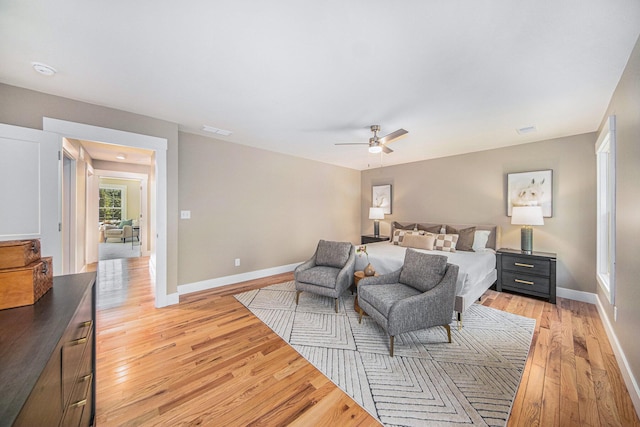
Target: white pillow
x=480 y=239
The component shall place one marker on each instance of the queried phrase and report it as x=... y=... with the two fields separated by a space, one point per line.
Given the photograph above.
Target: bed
x=477 y=267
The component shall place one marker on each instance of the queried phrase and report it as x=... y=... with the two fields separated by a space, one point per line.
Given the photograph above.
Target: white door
x=30 y=183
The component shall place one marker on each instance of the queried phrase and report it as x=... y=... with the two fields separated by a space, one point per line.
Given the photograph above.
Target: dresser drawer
x=526 y=265
x=77 y=341
x=525 y=282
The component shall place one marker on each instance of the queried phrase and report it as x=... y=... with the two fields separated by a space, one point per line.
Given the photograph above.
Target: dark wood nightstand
x=527 y=273
x=370 y=238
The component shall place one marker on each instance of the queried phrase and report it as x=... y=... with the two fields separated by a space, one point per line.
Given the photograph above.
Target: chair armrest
x=432 y=308
x=345 y=277
x=383 y=279
x=127 y=231
x=310 y=263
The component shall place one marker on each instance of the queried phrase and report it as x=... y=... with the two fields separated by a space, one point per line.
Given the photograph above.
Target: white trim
x=581 y=296
x=236 y=278
x=605 y=150
x=159 y=145
x=625 y=369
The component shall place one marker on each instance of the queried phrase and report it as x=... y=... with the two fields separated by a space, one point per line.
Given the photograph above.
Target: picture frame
x=381 y=197
x=531 y=189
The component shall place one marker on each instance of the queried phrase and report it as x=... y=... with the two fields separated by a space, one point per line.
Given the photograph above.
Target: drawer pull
x=86 y=324
x=524 y=282
x=79 y=341
x=519 y=264
x=86 y=378
x=78 y=403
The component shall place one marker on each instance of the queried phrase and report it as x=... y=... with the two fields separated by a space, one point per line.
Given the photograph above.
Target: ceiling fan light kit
x=377 y=144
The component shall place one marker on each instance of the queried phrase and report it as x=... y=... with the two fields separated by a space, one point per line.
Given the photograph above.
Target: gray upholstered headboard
x=494 y=236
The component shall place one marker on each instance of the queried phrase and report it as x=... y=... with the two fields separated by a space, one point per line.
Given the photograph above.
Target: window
x=113 y=202
x=606 y=209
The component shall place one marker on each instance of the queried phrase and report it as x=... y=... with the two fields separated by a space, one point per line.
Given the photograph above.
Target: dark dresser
x=47 y=357
x=527 y=273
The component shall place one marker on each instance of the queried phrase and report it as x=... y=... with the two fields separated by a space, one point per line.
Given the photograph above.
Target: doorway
x=158 y=188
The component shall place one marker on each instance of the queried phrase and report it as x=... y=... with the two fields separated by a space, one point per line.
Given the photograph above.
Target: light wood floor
x=209 y=361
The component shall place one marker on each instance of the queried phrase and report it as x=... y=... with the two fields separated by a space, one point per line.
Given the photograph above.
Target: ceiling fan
x=376 y=143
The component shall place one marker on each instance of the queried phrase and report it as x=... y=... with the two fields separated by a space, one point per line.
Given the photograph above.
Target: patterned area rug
x=471 y=381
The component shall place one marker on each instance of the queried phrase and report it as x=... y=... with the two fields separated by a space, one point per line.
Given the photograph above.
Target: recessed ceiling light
x=44 y=69
x=121 y=156
x=526 y=129
x=217 y=131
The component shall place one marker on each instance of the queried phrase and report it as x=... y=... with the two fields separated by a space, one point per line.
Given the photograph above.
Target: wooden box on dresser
x=47 y=357
x=528 y=273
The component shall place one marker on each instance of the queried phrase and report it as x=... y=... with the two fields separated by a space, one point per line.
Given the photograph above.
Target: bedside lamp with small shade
x=527 y=216
x=376 y=214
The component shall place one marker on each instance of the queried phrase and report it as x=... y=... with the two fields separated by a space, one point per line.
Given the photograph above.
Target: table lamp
x=526 y=216
x=376 y=214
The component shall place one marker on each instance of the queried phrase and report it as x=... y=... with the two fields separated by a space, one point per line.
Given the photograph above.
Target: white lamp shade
x=376 y=213
x=527 y=215
x=375 y=149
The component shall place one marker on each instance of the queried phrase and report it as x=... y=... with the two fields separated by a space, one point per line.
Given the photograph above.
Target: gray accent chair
x=329 y=272
x=420 y=295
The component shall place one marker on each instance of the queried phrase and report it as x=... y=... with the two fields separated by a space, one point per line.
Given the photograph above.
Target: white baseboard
x=623 y=363
x=581 y=296
x=236 y=278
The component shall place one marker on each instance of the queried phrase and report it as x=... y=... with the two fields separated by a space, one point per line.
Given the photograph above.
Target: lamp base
x=376 y=228
x=526 y=239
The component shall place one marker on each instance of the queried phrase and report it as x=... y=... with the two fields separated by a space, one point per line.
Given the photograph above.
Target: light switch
x=185 y=214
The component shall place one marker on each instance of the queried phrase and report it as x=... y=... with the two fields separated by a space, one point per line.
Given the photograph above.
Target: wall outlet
x=615 y=313
x=237 y=262
x=185 y=214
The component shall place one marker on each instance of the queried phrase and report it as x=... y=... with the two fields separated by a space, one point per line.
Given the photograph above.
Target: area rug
x=471 y=381
x=118 y=250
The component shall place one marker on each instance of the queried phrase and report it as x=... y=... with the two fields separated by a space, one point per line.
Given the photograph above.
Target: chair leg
x=448 y=328
x=391 y=345
x=297 y=296
x=336 y=305
x=459 y=321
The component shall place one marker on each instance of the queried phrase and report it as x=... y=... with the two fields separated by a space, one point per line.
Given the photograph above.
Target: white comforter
x=386 y=257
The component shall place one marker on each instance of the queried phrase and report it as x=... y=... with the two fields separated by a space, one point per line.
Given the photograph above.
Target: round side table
x=357 y=276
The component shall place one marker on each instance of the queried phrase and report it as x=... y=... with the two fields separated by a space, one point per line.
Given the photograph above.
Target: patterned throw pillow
x=446 y=242
x=398 y=235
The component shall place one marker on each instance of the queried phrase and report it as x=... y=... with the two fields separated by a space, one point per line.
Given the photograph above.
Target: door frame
x=129 y=139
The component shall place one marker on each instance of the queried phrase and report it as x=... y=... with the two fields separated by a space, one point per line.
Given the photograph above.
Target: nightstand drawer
x=525 y=282
x=527 y=265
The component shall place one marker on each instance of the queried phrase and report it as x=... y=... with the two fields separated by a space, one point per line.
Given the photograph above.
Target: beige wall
x=265 y=208
x=471 y=188
x=625 y=105
x=26 y=108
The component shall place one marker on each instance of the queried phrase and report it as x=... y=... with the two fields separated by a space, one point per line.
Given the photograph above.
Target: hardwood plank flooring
x=209 y=361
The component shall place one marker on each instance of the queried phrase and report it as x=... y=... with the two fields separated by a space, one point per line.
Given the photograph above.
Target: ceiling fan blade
x=393 y=135
x=387 y=149
x=351 y=143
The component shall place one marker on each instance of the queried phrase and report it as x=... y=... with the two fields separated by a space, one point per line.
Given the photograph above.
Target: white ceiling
x=299 y=76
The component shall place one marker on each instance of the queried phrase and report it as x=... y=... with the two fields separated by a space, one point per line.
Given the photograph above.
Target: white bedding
x=476 y=268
